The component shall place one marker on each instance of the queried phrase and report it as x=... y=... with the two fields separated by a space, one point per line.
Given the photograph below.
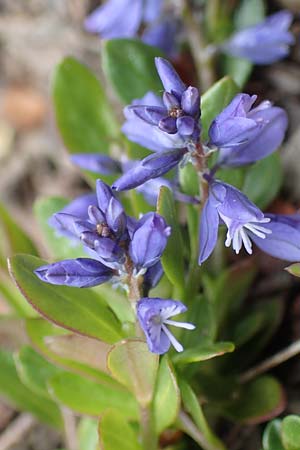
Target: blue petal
x=169 y=77
x=111 y=20
x=208 y=234
x=268 y=138
x=80 y=272
x=282 y=243
x=151 y=167
x=149 y=241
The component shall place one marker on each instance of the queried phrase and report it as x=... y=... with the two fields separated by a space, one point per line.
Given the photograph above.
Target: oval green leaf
x=129 y=65
x=272 y=436
x=203 y=352
x=290 y=432
x=116 y=433
x=83 y=113
x=79 y=310
x=166 y=401
x=88 y=397
x=131 y=363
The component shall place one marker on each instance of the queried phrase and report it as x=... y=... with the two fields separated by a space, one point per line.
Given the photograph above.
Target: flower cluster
x=121 y=250
x=241 y=134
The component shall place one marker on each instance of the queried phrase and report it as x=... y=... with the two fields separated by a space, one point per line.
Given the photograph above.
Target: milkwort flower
x=180 y=111
x=264 y=43
x=284 y=240
x=154 y=318
x=111 y=238
x=227 y=205
x=171 y=128
x=112 y=20
x=244 y=134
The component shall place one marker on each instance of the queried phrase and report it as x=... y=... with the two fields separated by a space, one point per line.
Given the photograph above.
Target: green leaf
x=34 y=370
x=189 y=181
x=192 y=406
x=272 y=436
x=215 y=100
x=203 y=352
x=14 y=298
x=79 y=310
x=83 y=113
x=131 y=363
x=290 y=432
x=88 y=434
x=115 y=432
x=14 y=239
x=47 y=337
x=294 y=269
x=129 y=65
x=248 y=13
x=88 y=397
x=166 y=400
x=61 y=247
x=20 y=396
x=172 y=258
x=257 y=401
x=228 y=290
x=263 y=180
x=238 y=69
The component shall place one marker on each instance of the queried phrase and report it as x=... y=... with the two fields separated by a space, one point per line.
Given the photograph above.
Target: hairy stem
x=188 y=426
x=279 y=358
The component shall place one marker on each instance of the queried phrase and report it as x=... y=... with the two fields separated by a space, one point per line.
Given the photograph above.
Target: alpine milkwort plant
x=154 y=311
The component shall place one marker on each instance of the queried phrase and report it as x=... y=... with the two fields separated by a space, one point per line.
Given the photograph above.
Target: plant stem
x=188 y=426
x=199 y=49
x=69 y=429
x=148 y=435
x=279 y=358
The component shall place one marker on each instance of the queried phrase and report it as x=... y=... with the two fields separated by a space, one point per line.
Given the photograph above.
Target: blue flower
x=154 y=317
x=112 y=19
x=149 y=136
x=149 y=240
x=80 y=272
x=114 y=240
x=180 y=111
x=283 y=239
x=227 y=205
x=245 y=134
x=264 y=43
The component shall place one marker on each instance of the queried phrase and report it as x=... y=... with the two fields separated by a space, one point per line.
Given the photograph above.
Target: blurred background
x=34 y=36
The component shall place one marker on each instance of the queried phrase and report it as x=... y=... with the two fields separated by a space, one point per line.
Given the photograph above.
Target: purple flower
x=284 y=240
x=152 y=166
x=245 y=134
x=153 y=276
x=78 y=207
x=264 y=43
x=145 y=134
x=180 y=111
x=103 y=227
x=227 y=205
x=113 y=20
x=149 y=241
x=153 y=315
x=80 y=272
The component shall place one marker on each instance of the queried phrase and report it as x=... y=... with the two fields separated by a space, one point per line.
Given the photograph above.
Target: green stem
x=199 y=49
x=148 y=435
x=188 y=426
